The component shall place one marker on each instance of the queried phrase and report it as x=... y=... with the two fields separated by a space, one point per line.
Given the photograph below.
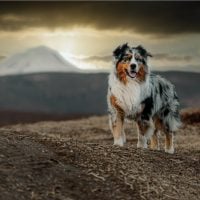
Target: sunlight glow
x=79 y=43
x=78 y=62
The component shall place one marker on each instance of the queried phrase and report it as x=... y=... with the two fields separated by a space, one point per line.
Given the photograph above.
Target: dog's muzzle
x=131 y=73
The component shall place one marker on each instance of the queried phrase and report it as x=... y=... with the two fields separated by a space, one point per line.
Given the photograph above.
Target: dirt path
x=76 y=160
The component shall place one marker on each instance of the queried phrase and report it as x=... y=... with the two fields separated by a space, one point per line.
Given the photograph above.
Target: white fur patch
x=171 y=150
x=128 y=96
x=119 y=142
x=149 y=132
x=142 y=141
x=124 y=137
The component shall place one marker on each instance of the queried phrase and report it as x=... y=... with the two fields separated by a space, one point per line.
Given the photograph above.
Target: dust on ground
x=76 y=160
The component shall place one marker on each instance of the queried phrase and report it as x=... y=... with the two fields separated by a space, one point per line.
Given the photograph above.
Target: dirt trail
x=76 y=160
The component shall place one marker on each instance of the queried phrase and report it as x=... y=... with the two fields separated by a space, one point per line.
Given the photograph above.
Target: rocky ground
x=76 y=160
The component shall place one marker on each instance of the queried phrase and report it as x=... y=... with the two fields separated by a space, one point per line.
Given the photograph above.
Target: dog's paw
x=170 y=151
x=142 y=145
x=119 y=142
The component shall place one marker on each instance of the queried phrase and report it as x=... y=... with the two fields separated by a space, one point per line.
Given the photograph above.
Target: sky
x=86 y=33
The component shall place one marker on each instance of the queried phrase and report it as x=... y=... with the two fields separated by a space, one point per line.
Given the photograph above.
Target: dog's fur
x=135 y=93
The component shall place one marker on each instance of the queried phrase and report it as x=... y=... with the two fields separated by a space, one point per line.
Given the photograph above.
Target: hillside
x=77 y=93
x=76 y=160
x=68 y=93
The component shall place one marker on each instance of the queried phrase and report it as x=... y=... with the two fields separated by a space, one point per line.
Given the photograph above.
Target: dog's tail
x=173 y=121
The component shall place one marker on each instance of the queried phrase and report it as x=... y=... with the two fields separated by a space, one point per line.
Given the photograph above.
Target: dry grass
x=190 y=116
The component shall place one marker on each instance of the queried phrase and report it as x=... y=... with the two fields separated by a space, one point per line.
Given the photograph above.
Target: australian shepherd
x=136 y=93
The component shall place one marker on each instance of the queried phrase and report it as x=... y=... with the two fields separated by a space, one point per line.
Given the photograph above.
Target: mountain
x=34 y=60
x=77 y=93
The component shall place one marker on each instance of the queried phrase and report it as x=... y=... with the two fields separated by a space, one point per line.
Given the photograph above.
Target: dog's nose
x=133 y=66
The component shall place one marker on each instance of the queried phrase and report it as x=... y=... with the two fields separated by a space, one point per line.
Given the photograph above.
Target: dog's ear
x=120 y=50
x=143 y=52
x=149 y=54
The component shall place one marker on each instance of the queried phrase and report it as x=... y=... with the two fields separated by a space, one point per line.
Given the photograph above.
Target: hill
x=76 y=160
x=77 y=93
x=69 y=93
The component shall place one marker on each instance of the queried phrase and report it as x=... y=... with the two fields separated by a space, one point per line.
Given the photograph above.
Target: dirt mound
x=76 y=160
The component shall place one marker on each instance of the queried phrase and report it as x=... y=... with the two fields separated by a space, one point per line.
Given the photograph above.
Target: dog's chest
x=128 y=97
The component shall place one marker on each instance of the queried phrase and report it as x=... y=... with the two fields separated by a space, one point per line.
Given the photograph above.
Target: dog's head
x=131 y=63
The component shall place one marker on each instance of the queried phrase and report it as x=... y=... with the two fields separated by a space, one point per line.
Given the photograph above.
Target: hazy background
x=59 y=53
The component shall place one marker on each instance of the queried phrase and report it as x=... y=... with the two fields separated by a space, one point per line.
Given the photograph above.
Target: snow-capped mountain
x=34 y=60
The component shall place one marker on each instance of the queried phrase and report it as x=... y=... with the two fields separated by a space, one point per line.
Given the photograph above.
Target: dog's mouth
x=131 y=74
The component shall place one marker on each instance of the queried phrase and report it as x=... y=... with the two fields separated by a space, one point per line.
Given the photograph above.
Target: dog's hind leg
x=145 y=131
x=169 y=142
x=154 y=142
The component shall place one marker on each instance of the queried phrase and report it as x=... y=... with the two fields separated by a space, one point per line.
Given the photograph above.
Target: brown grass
x=190 y=116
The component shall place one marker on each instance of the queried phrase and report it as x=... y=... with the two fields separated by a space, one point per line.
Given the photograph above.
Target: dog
x=137 y=94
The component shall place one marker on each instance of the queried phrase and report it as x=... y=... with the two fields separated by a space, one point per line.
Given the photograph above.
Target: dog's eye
x=127 y=59
x=138 y=58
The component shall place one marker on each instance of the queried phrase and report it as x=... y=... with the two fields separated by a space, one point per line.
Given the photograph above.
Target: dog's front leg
x=116 y=121
x=116 y=125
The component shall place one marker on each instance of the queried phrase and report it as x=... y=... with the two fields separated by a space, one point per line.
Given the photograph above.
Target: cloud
x=160 y=61
x=157 y=57
x=142 y=17
x=107 y=58
x=2 y=57
x=165 y=56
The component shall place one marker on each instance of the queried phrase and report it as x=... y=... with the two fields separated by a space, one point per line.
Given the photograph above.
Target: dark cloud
x=143 y=17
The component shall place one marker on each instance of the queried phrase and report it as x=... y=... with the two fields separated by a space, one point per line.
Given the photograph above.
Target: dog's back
x=162 y=104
